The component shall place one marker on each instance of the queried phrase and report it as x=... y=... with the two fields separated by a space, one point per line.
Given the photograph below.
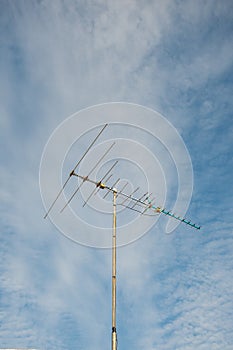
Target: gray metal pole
x=114 y=333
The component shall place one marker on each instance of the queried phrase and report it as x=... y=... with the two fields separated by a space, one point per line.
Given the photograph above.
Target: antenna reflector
x=67 y=180
x=91 y=145
x=85 y=178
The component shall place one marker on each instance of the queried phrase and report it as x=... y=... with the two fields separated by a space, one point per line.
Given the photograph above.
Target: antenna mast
x=141 y=205
x=114 y=332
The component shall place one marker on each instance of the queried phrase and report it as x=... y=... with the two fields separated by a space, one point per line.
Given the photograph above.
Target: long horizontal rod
x=147 y=205
x=104 y=186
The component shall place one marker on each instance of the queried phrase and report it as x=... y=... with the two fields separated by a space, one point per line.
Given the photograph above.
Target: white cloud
x=174 y=290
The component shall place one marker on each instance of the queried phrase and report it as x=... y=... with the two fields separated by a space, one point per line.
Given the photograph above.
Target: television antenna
x=145 y=205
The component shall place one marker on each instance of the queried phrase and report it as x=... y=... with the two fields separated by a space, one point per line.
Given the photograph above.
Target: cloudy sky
x=58 y=57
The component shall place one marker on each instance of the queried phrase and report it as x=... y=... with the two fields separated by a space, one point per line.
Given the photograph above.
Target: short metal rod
x=114 y=333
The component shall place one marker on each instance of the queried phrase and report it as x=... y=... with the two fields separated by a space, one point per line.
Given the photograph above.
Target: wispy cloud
x=58 y=57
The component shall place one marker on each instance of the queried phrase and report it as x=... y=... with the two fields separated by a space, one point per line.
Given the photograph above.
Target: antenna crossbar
x=137 y=201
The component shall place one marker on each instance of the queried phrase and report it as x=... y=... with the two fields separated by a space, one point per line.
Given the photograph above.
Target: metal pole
x=114 y=333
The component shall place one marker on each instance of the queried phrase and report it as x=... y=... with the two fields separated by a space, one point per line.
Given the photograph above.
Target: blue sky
x=174 y=291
